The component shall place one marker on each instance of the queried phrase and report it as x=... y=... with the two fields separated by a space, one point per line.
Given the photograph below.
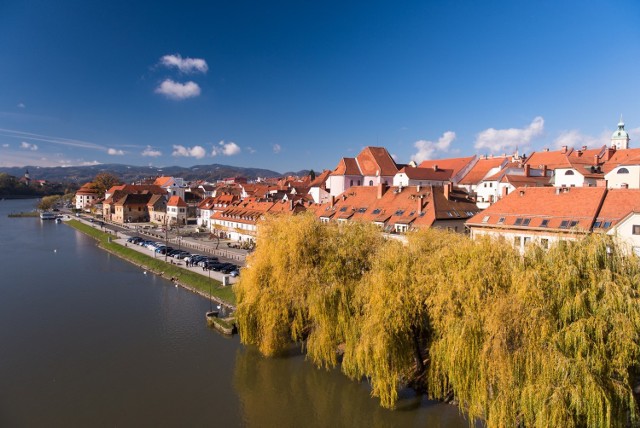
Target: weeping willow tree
x=300 y=282
x=550 y=338
x=272 y=307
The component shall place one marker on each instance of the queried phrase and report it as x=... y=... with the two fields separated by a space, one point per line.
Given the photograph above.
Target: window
x=636 y=229
x=517 y=241
x=569 y=172
x=606 y=224
x=501 y=220
x=399 y=212
x=370 y=182
x=362 y=210
x=485 y=219
x=518 y=221
x=564 y=224
x=545 y=223
x=376 y=211
x=358 y=182
x=597 y=224
x=351 y=183
x=527 y=240
x=623 y=171
x=573 y=223
x=343 y=209
x=545 y=243
x=526 y=222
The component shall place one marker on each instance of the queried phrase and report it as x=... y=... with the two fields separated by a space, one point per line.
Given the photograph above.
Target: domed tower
x=620 y=138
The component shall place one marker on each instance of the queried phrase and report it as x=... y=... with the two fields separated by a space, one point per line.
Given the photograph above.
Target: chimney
x=418 y=188
x=332 y=201
x=544 y=170
x=447 y=190
x=382 y=188
x=419 y=204
x=290 y=204
x=595 y=160
x=564 y=149
x=624 y=186
x=608 y=153
x=527 y=170
x=584 y=148
x=435 y=167
x=579 y=153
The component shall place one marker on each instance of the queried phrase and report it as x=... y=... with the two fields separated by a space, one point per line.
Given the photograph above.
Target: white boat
x=47 y=215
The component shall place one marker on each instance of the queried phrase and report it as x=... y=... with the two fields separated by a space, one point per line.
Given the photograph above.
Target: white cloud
x=277 y=148
x=21 y=105
x=89 y=163
x=178 y=91
x=197 y=152
x=251 y=150
x=501 y=140
x=28 y=146
x=574 y=138
x=394 y=157
x=426 y=149
x=150 y=152
x=226 y=149
x=115 y=152
x=5 y=145
x=185 y=65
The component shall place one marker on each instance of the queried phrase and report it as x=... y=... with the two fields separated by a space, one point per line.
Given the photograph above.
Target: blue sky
x=298 y=85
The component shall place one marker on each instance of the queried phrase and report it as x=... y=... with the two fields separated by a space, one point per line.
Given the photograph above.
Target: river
x=87 y=339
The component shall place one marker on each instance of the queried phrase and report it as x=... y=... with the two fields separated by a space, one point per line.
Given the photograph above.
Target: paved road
x=194 y=246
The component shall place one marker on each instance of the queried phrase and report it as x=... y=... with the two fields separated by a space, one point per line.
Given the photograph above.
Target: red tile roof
x=620 y=157
x=482 y=167
x=555 y=205
x=347 y=166
x=618 y=204
x=176 y=201
x=455 y=164
x=375 y=161
x=420 y=173
x=417 y=208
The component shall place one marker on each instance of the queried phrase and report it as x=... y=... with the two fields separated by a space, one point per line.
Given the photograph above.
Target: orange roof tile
x=482 y=167
x=176 y=201
x=455 y=164
x=376 y=161
x=620 y=157
x=347 y=166
x=618 y=204
x=538 y=204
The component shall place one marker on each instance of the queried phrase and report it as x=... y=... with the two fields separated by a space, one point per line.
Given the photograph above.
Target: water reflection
x=289 y=391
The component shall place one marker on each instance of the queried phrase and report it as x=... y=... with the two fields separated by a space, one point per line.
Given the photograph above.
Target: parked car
x=234 y=273
x=134 y=239
x=227 y=269
x=165 y=250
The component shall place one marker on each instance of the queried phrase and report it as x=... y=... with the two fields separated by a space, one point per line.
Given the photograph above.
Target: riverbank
x=192 y=281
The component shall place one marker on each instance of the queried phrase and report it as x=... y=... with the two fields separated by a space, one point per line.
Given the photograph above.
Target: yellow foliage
x=549 y=338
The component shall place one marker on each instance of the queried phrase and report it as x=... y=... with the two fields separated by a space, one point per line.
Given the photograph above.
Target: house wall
x=520 y=239
x=338 y=184
x=624 y=233
x=130 y=214
x=564 y=180
x=615 y=180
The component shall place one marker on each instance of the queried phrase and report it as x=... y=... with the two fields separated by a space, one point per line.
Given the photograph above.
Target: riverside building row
x=544 y=197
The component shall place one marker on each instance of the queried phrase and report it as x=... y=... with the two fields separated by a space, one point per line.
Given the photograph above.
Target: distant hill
x=131 y=173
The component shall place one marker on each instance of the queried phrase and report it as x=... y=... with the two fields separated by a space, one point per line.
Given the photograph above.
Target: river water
x=87 y=339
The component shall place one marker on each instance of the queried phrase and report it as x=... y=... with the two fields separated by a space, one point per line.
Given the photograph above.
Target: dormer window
x=569 y=172
x=623 y=171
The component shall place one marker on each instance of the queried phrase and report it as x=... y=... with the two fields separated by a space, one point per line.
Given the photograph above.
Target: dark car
x=165 y=250
x=229 y=268
x=214 y=266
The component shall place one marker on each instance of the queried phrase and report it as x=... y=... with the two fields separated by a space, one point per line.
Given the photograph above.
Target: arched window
x=569 y=172
x=370 y=182
x=351 y=183
x=623 y=171
x=358 y=182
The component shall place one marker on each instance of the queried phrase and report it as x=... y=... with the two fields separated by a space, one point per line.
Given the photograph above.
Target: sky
x=298 y=85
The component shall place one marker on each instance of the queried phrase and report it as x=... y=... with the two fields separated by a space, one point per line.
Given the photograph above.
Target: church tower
x=620 y=138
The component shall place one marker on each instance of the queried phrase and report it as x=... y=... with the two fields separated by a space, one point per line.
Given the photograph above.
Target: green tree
x=48 y=202
x=104 y=181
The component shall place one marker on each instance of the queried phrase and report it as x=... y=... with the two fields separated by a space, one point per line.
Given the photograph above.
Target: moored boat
x=47 y=215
